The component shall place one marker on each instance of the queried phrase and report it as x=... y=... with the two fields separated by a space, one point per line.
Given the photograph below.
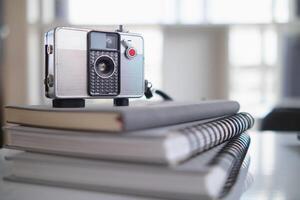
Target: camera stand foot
x=68 y=103
x=121 y=102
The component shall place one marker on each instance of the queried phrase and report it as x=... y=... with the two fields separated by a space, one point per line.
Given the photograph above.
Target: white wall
x=195 y=62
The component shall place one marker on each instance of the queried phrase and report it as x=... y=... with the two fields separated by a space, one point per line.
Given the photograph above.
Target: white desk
x=275 y=167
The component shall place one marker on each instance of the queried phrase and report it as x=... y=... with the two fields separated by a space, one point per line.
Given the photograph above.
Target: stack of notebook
x=167 y=150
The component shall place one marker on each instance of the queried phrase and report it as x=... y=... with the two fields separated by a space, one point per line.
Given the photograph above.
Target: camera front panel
x=66 y=63
x=132 y=66
x=103 y=63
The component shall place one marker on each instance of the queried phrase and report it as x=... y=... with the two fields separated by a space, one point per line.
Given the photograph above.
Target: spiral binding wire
x=205 y=136
x=237 y=148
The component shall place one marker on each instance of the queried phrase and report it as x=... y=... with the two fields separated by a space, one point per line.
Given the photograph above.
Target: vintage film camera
x=85 y=63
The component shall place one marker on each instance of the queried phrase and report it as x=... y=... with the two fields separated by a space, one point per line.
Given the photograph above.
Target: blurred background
x=194 y=49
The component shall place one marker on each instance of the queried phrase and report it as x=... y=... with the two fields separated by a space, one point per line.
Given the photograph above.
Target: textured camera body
x=85 y=63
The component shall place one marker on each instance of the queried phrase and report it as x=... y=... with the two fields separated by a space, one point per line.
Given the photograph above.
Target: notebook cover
x=118 y=119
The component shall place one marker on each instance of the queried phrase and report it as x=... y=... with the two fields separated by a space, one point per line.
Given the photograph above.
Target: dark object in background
x=286 y=117
x=297 y=5
x=291 y=66
x=282 y=119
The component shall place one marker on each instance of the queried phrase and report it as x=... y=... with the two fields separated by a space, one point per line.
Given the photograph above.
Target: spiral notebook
x=209 y=174
x=166 y=145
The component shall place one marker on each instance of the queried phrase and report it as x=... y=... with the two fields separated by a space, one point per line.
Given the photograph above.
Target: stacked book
x=167 y=150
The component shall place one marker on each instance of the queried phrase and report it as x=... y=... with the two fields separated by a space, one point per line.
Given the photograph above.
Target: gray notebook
x=202 y=176
x=117 y=119
x=165 y=145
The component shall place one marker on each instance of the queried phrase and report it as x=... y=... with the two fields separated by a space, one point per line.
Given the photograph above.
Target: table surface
x=274 y=171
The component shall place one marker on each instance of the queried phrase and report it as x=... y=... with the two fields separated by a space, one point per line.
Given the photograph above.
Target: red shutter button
x=130 y=52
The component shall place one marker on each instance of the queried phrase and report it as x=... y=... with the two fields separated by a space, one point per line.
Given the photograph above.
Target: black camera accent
x=103 y=64
x=68 y=103
x=121 y=102
x=103 y=73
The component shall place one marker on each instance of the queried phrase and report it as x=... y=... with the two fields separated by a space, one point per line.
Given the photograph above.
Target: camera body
x=85 y=63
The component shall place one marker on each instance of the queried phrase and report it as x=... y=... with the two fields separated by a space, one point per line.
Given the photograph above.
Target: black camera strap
x=149 y=92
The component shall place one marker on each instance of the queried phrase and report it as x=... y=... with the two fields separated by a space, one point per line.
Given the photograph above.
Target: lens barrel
x=104 y=66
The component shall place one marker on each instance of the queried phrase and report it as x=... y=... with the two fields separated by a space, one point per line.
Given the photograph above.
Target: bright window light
x=245 y=79
x=281 y=11
x=48 y=11
x=191 y=11
x=239 y=11
x=270 y=47
x=32 y=11
x=169 y=13
x=116 y=12
x=252 y=59
x=106 y=12
x=245 y=47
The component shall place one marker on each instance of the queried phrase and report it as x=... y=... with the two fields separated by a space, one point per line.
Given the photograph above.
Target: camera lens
x=104 y=66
